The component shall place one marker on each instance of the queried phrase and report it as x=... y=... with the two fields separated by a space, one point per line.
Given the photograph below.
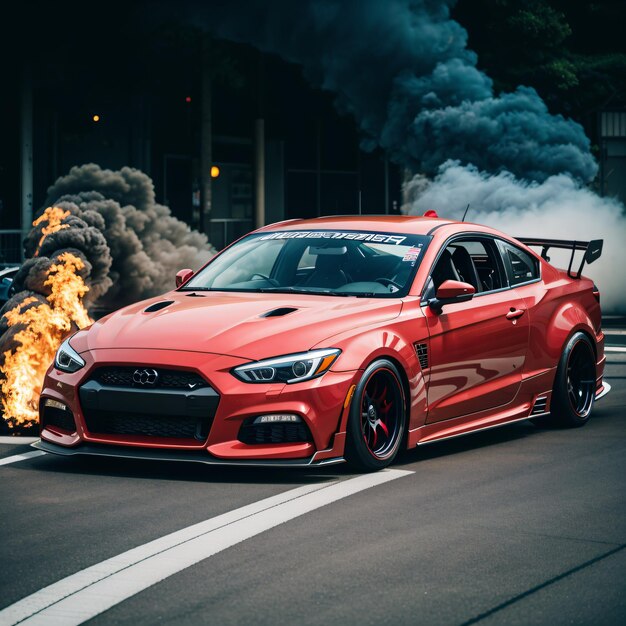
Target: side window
x=480 y=255
x=521 y=266
x=473 y=261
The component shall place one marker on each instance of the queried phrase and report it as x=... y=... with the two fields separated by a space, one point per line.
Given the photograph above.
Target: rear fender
x=567 y=320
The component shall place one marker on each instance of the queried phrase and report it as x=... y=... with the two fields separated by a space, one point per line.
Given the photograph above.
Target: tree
x=573 y=52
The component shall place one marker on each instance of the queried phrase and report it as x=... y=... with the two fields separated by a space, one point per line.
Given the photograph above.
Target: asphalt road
x=513 y=526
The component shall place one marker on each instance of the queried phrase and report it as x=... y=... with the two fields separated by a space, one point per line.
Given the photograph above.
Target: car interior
x=469 y=261
x=352 y=267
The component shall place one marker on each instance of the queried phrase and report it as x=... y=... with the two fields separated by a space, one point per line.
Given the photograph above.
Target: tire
x=377 y=420
x=574 y=388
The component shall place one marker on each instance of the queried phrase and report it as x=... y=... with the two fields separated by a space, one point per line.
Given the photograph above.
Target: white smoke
x=559 y=207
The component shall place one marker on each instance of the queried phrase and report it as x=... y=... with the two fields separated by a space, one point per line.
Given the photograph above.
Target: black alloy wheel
x=574 y=389
x=377 y=419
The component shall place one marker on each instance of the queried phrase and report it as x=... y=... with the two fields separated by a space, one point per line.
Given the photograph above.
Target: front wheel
x=575 y=383
x=377 y=418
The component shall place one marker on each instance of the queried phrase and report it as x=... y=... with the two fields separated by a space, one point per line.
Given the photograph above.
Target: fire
x=54 y=216
x=43 y=328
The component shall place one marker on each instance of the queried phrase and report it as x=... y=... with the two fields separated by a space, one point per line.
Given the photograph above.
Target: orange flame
x=44 y=327
x=54 y=216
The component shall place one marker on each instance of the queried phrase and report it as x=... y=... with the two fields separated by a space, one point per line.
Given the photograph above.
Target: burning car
x=310 y=342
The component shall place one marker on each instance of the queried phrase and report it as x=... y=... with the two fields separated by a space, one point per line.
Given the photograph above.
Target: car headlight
x=67 y=359
x=292 y=368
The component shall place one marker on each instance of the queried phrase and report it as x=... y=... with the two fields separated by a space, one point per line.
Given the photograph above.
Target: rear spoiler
x=592 y=250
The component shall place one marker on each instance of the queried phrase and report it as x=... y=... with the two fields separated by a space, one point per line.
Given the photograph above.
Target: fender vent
x=421 y=349
x=540 y=405
x=157 y=306
x=279 y=312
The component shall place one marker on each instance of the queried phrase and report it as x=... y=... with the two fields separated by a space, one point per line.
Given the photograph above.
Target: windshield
x=329 y=262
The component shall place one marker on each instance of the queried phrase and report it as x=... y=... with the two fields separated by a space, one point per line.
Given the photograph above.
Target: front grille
x=167 y=379
x=51 y=416
x=140 y=424
x=421 y=349
x=174 y=404
x=274 y=433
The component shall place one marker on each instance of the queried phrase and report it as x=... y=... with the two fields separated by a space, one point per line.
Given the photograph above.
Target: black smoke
x=130 y=245
x=146 y=244
x=403 y=70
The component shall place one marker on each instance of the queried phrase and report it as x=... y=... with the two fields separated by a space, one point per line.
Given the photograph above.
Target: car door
x=477 y=348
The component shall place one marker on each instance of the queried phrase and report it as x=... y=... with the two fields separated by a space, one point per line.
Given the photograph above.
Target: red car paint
x=488 y=359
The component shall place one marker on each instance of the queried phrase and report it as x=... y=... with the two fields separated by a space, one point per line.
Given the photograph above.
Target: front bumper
x=319 y=402
x=152 y=454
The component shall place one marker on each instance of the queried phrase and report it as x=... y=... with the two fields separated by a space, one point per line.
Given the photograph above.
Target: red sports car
x=310 y=342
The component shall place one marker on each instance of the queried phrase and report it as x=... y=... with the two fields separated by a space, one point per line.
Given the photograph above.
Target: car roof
x=409 y=224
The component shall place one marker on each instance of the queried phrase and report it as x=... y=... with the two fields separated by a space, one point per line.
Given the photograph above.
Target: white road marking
x=83 y=595
x=614 y=331
x=615 y=349
x=18 y=440
x=20 y=457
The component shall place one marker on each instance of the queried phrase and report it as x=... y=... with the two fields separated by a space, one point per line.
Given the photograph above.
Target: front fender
x=397 y=343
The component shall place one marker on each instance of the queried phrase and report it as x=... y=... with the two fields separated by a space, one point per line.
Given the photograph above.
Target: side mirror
x=451 y=291
x=182 y=277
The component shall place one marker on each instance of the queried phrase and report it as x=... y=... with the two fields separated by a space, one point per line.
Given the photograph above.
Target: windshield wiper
x=321 y=292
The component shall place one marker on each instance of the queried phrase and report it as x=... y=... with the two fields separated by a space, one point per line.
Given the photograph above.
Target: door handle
x=515 y=313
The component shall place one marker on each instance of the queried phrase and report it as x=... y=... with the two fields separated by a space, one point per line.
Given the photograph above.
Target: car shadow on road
x=472 y=441
x=181 y=471
x=197 y=472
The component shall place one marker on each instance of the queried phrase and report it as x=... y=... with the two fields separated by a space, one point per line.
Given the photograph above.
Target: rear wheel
x=377 y=418
x=575 y=383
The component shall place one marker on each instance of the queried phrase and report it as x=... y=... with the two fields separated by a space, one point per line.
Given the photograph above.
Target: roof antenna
x=464 y=214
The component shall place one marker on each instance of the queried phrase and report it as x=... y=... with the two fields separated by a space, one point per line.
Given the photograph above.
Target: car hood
x=235 y=324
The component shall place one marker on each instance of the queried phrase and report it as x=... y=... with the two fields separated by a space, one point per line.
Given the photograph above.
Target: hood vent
x=421 y=349
x=279 y=312
x=157 y=306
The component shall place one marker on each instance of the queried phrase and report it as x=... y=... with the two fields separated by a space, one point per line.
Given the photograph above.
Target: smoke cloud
x=402 y=69
x=129 y=246
x=556 y=208
x=132 y=246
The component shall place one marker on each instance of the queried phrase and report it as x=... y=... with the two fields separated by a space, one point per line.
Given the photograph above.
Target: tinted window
x=484 y=259
x=253 y=261
x=338 y=263
x=473 y=261
x=521 y=266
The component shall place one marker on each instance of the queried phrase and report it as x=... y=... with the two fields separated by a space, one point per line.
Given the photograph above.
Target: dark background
x=141 y=72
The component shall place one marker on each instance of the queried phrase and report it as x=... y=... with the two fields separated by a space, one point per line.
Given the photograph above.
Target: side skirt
x=430 y=434
x=478 y=430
